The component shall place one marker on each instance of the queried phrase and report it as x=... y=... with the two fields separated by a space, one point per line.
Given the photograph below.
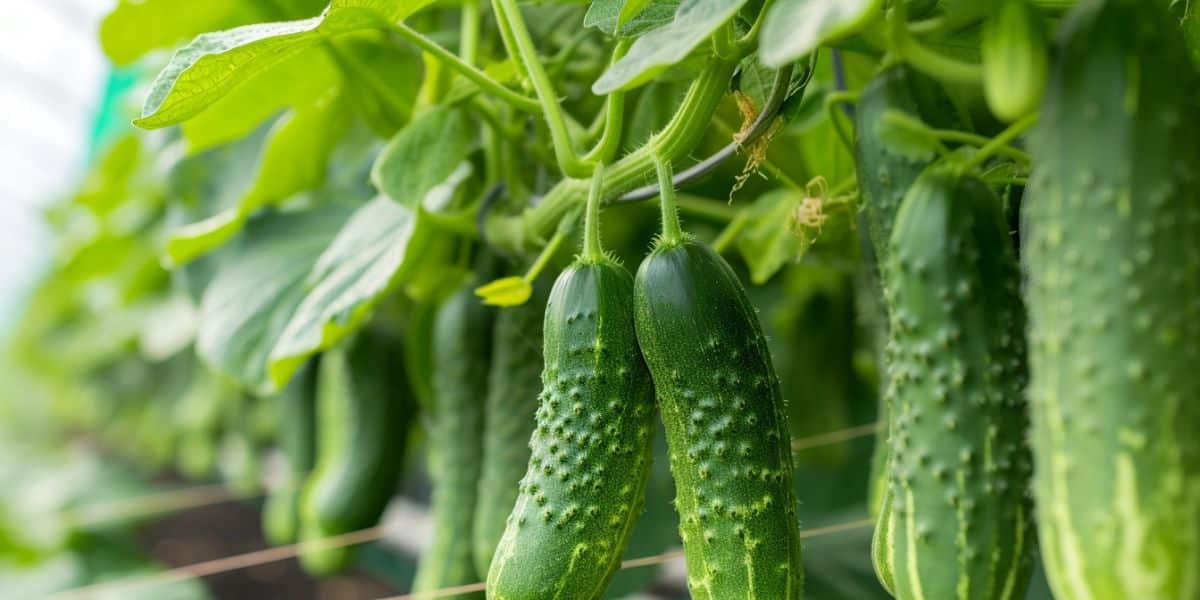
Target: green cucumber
x=514 y=383
x=586 y=481
x=960 y=520
x=1015 y=59
x=884 y=176
x=296 y=439
x=364 y=409
x=727 y=429
x=1111 y=245
x=461 y=354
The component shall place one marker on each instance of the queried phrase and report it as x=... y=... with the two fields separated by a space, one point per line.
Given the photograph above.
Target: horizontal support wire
x=207 y=495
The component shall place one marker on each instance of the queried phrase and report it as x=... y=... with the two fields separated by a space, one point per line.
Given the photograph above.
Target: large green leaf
x=294 y=158
x=767 y=242
x=135 y=27
x=423 y=155
x=215 y=63
x=257 y=288
x=310 y=74
x=794 y=28
x=694 y=22
x=605 y=15
x=381 y=245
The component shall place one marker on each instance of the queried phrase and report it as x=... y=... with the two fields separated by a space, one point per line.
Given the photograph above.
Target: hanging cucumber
x=364 y=409
x=1111 y=247
x=884 y=175
x=1015 y=59
x=727 y=431
x=960 y=522
x=461 y=353
x=514 y=383
x=586 y=481
x=296 y=439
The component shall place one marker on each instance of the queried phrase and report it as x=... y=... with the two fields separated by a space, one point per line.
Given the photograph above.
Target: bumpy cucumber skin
x=586 y=482
x=462 y=352
x=296 y=442
x=884 y=177
x=960 y=522
x=364 y=409
x=514 y=383
x=727 y=430
x=1112 y=254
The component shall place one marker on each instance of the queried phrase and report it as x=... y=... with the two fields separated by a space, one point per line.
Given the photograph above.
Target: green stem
x=835 y=117
x=974 y=139
x=547 y=253
x=614 y=119
x=468 y=46
x=923 y=59
x=706 y=208
x=564 y=148
x=592 y=251
x=730 y=233
x=749 y=41
x=461 y=222
x=672 y=232
x=1001 y=141
x=479 y=78
x=675 y=140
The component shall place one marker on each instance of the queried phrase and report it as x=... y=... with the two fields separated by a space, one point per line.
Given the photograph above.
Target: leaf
x=767 y=242
x=136 y=27
x=257 y=289
x=294 y=158
x=507 y=291
x=215 y=63
x=906 y=135
x=694 y=22
x=604 y=15
x=310 y=74
x=629 y=10
x=423 y=156
x=794 y=28
x=381 y=245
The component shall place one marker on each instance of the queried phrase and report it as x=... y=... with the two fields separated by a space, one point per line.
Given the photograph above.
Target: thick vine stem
x=779 y=93
x=521 y=232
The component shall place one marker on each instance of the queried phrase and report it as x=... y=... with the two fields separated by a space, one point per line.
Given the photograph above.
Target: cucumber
x=586 y=481
x=514 y=383
x=884 y=176
x=364 y=409
x=885 y=173
x=461 y=353
x=296 y=438
x=960 y=519
x=1111 y=245
x=727 y=430
x=1015 y=59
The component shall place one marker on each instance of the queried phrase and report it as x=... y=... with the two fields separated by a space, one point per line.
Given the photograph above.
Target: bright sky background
x=51 y=75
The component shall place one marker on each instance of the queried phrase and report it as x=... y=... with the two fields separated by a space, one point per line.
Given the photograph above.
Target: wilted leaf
x=795 y=28
x=694 y=22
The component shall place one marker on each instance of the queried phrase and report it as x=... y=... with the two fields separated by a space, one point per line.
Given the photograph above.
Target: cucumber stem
x=592 y=251
x=672 y=233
